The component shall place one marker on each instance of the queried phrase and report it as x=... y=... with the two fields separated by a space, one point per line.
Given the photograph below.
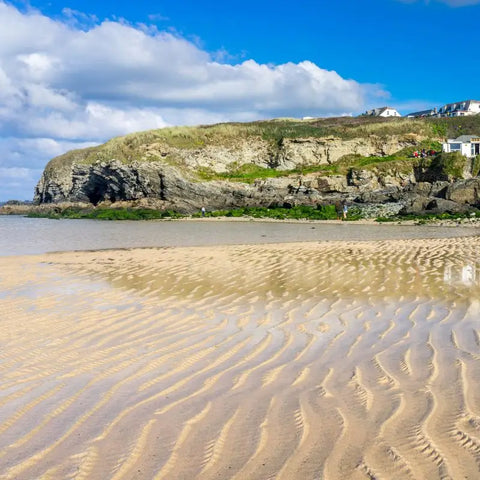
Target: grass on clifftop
x=162 y=144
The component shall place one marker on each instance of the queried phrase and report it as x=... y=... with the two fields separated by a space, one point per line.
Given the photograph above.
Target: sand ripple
x=335 y=360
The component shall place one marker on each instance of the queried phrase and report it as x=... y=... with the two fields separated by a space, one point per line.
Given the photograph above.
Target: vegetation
x=402 y=160
x=430 y=217
x=301 y=212
x=109 y=214
x=320 y=212
x=154 y=145
x=455 y=126
x=250 y=172
x=448 y=166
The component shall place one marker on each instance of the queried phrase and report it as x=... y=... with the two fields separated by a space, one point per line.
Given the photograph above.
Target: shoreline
x=433 y=222
x=36 y=236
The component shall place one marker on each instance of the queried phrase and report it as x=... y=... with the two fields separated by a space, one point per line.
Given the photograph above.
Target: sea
x=20 y=235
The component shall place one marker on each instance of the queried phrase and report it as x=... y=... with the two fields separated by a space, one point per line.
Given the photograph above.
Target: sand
x=332 y=360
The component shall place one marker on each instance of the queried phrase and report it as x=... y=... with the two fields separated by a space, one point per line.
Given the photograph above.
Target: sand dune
x=333 y=360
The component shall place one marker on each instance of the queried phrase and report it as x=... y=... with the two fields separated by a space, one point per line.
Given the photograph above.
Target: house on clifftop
x=456 y=109
x=467 y=145
x=460 y=109
x=431 y=112
x=381 y=112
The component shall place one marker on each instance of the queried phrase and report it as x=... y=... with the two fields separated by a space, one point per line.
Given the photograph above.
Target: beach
x=309 y=360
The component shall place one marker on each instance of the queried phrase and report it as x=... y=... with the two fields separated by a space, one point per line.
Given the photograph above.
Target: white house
x=467 y=145
x=382 y=112
x=460 y=109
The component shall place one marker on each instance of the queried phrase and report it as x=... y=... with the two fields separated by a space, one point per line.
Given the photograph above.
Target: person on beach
x=345 y=211
x=338 y=209
x=203 y=211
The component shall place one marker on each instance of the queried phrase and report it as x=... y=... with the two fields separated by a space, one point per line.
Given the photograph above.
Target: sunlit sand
x=331 y=360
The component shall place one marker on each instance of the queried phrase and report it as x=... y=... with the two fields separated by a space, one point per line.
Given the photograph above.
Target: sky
x=77 y=73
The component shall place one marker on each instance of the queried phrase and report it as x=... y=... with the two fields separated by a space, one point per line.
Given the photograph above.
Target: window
x=455 y=147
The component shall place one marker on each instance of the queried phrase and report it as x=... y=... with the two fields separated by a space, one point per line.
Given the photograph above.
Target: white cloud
x=80 y=81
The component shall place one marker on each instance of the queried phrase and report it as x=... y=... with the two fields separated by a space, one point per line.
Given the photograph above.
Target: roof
x=463 y=138
x=423 y=112
x=463 y=101
x=378 y=110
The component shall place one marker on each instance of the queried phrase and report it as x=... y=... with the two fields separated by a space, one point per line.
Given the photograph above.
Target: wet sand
x=325 y=360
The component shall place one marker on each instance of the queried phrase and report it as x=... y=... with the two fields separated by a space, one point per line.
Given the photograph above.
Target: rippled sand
x=330 y=360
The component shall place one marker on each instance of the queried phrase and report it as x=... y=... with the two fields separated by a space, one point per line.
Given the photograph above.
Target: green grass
x=455 y=126
x=321 y=212
x=301 y=212
x=430 y=217
x=250 y=172
x=448 y=166
x=109 y=214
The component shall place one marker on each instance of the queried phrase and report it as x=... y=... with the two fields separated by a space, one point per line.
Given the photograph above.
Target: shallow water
x=20 y=235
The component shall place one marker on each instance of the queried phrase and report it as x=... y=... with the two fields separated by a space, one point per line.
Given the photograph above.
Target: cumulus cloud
x=80 y=81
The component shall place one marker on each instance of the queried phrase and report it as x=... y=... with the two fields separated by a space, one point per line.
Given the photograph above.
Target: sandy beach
x=325 y=360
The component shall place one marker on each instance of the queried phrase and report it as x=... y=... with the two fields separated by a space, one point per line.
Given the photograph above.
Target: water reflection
x=464 y=274
x=365 y=270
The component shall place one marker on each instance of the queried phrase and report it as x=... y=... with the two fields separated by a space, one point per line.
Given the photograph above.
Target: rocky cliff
x=186 y=168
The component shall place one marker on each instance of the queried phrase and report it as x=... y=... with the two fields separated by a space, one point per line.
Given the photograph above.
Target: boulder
x=464 y=192
x=440 y=205
x=363 y=179
x=332 y=184
x=416 y=205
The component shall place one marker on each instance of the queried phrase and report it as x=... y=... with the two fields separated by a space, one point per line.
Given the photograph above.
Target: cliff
x=279 y=162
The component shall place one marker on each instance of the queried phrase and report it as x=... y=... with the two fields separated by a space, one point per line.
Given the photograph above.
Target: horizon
x=103 y=70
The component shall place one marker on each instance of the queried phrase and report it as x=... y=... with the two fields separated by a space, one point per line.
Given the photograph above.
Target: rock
x=332 y=184
x=364 y=179
x=381 y=196
x=465 y=192
x=427 y=189
x=295 y=152
x=416 y=205
x=375 y=210
x=440 y=205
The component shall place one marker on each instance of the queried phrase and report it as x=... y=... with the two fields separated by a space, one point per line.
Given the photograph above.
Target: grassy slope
x=135 y=147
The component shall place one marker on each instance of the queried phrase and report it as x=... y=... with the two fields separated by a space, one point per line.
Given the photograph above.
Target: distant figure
x=338 y=209
x=345 y=211
x=203 y=211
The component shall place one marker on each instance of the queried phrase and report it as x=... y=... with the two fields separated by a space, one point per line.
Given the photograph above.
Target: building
x=431 y=112
x=456 y=109
x=460 y=109
x=382 y=112
x=467 y=145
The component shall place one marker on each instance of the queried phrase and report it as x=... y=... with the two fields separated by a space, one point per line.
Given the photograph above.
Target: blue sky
x=77 y=73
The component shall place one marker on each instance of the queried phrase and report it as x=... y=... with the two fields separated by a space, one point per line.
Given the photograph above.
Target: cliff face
x=164 y=186
x=173 y=184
